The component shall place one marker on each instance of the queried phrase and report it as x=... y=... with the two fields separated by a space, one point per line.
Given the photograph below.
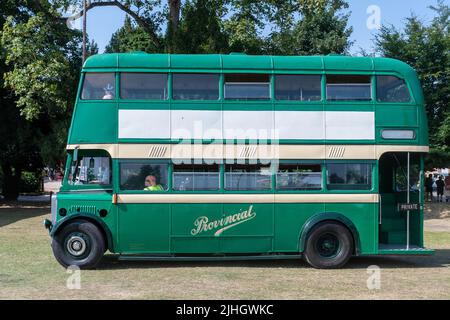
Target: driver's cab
x=87 y=169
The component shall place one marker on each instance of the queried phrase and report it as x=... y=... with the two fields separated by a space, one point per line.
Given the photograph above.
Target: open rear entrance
x=401 y=208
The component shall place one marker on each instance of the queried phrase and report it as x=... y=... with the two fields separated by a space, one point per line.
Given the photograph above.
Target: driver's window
x=90 y=170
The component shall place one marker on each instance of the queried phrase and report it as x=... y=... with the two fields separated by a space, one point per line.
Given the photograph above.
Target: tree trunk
x=174 y=15
x=10 y=188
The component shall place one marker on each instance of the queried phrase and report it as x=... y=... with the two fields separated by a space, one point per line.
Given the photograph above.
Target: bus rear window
x=349 y=88
x=298 y=87
x=392 y=89
x=247 y=87
x=349 y=176
x=140 y=86
x=98 y=86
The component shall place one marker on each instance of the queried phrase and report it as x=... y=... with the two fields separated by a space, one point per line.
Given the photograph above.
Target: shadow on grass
x=441 y=259
x=11 y=212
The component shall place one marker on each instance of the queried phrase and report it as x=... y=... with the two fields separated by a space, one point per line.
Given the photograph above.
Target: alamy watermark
x=373 y=22
x=73 y=282
x=374 y=280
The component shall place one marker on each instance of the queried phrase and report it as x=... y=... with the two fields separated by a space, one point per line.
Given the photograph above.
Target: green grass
x=28 y=270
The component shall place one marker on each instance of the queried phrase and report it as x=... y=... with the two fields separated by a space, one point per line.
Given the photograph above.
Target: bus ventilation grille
x=83 y=209
x=157 y=151
x=336 y=152
x=247 y=152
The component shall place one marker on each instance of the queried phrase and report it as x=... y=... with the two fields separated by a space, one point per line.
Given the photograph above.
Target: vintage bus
x=209 y=157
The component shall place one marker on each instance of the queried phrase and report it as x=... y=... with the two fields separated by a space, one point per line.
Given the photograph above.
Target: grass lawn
x=28 y=270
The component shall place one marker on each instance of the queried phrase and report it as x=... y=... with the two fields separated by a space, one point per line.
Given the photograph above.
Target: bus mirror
x=75 y=154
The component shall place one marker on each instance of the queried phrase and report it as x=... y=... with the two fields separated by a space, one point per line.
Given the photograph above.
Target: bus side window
x=139 y=86
x=299 y=177
x=349 y=176
x=143 y=176
x=392 y=89
x=191 y=86
x=349 y=88
x=98 y=86
x=247 y=87
x=196 y=177
x=248 y=177
x=298 y=87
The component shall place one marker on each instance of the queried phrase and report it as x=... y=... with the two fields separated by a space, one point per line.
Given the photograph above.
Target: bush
x=30 y=182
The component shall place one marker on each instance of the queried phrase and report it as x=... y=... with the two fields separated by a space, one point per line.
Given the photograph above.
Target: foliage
x=30 y=182
x=427 y=49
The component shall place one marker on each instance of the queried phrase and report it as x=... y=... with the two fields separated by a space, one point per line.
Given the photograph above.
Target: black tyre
x=79 y=243
x=328 y=245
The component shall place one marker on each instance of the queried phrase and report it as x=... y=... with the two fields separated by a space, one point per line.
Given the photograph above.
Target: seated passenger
x=151 y=185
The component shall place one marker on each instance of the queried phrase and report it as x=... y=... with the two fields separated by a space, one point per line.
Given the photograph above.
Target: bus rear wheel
x=329 y=245
x=79 y=243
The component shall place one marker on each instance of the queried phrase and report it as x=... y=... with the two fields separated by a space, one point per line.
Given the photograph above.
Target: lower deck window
x=196 y=177
x=143 y=176
x=90 y=170
x=299 y=177
x=248 y=177
x=349 y=176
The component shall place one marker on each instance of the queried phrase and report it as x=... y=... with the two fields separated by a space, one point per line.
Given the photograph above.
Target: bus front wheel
x=79 y=243
x=329 y=245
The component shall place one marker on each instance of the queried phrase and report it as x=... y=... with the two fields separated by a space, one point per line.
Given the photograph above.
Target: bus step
x=400 y=249
x=208 y=257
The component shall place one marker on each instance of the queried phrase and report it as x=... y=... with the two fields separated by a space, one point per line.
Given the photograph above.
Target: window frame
x=66 y=186
x=373 y=176
x=411 y=101
x=219 y=173
x=371 y=85
x=254 y=100
x=168 y=189
x=116 y=87
x=171 y=90
x=321 y=80
x=168 y=80
x=319 y=163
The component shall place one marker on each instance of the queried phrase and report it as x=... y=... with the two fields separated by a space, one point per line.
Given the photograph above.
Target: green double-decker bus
x=187 y=157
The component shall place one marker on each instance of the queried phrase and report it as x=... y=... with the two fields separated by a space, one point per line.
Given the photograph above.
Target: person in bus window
x=151 y=185
x=108 y=92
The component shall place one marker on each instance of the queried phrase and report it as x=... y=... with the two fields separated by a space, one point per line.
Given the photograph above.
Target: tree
x=427 y=50
x=39 y=63
x=322 y=28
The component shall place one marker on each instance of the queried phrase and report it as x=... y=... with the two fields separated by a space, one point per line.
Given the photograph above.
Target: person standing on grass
x=440 y=184
x=429 y=188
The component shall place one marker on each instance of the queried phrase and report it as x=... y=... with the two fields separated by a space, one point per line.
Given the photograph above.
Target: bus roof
x=140 y=60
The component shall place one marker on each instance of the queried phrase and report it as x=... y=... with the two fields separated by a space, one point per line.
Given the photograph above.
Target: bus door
x=401 y=200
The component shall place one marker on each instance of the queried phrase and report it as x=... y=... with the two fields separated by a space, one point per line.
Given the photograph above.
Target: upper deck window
x=98 y=86
x=191 y=86
x=349 y=88
x=392 y=89
x=247 y=86
x=298 y=87
x=151 y=86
